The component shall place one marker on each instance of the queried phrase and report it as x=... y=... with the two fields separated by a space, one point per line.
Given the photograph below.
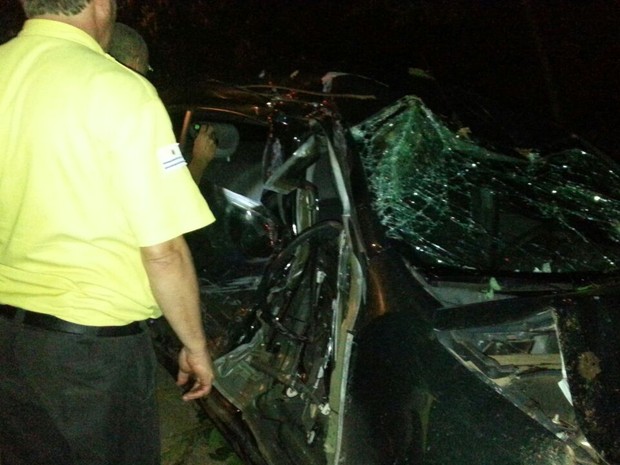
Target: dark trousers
x=69 y=399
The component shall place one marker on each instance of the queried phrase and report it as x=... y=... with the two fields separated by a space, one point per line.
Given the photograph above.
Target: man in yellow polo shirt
x=94 y=200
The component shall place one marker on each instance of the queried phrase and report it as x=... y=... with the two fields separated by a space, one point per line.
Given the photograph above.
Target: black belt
x=51 y=323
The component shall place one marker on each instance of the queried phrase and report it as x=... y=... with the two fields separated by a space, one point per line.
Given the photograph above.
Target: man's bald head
x=129 y=48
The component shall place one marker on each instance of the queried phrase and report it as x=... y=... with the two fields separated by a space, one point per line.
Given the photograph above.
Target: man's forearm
x=197 y=168
x=173 y=281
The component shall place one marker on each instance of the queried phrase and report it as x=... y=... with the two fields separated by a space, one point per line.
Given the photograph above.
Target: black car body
x=390 y=289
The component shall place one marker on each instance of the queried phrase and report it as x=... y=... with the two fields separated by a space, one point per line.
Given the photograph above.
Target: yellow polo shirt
x=89 y=173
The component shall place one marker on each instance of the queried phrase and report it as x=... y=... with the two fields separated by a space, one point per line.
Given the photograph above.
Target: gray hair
x=53 y=7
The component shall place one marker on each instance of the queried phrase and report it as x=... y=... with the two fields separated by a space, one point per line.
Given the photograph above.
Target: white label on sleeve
x=170 y=157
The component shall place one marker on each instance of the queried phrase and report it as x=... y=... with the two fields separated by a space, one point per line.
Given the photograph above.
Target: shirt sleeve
x=153 y=185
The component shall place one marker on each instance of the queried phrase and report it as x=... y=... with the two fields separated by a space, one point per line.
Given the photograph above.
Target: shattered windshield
x=457 y=204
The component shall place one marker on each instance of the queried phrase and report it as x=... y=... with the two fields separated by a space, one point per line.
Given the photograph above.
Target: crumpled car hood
x=588 y=329
x=586 y=324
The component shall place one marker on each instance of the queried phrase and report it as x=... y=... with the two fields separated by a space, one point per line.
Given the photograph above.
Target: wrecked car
x=391 y=289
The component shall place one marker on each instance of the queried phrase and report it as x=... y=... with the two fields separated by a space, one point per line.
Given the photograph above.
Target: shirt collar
x=59 y=30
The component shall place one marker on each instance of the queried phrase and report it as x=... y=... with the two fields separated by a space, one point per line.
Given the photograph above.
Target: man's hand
x=203 y=151
x=197 y=368
x=171 y=274
x=205 y=144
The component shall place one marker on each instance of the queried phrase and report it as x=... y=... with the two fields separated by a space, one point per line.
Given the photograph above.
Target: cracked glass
x=455 y=203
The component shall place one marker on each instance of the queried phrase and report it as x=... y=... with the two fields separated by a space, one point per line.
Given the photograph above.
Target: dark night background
x=552 y=59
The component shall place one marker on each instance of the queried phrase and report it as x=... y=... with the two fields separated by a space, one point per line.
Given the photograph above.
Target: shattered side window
x=460 y=205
